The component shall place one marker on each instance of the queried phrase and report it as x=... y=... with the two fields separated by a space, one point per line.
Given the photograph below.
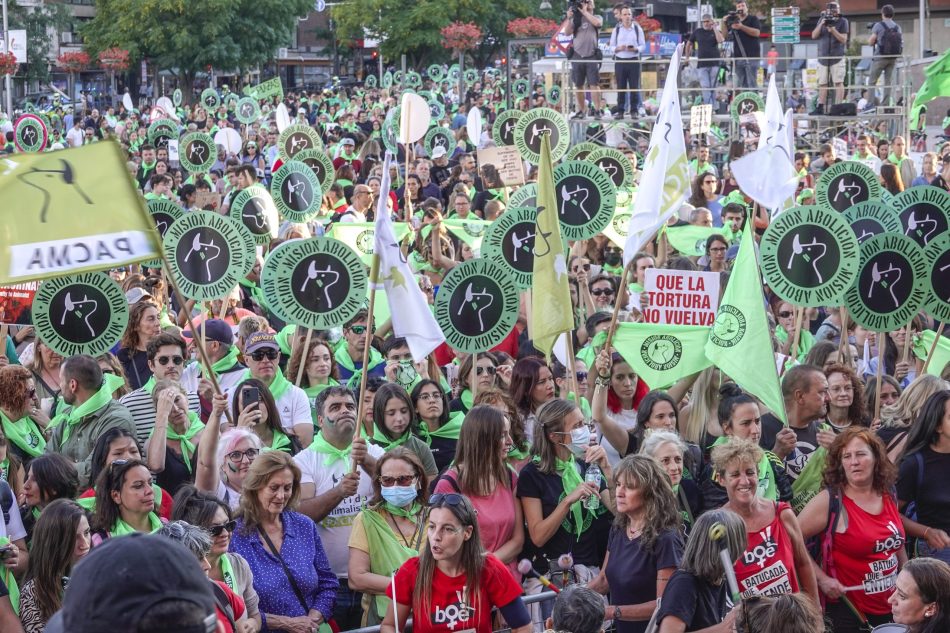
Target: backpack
x=891 y=41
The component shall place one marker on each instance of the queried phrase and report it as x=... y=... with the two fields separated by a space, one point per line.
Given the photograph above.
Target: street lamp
x=544 y=6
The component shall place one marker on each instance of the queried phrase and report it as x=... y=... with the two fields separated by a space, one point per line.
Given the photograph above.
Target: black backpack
x=891 y=41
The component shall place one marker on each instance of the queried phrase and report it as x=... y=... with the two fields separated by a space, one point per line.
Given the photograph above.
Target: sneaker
x=818 y=111
x=619 y=115
x=577 y=115
x=597 y=115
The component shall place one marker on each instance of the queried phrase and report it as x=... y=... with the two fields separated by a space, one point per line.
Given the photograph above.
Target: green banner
x=690 y=240
x=266 y=89
x=662 y=354
x=361 y=237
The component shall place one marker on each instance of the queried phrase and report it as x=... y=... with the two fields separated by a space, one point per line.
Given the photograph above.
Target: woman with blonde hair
x=784 y=613
x=698 y=422
x=900 y=418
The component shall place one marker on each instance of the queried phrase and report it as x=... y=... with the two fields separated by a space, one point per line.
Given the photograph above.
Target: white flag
x=768 y=174
x=665 y=182
x=409 y=310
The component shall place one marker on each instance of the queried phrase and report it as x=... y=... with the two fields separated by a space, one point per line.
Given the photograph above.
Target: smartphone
x=250 y=395
x=7 y=551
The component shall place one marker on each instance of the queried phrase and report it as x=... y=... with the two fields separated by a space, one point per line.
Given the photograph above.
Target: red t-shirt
x=237 y=606
x=452 y=609
x=767 y=566
x=866 y=554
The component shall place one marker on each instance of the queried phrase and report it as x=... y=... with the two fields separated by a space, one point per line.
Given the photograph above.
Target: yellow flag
x=551 y=312
x=70 y=211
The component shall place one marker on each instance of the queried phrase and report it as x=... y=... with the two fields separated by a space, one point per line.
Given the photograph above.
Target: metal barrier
x=528 y=600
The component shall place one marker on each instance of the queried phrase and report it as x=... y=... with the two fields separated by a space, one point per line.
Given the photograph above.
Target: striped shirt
x=139 y=403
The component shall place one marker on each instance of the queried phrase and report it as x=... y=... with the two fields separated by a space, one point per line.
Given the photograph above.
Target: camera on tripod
x=731 y=18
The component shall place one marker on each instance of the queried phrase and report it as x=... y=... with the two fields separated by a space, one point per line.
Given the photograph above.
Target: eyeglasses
x=236 y=457
x=785 y=315
x=175 y=360
x=402 y=480
x=485 y=370
x=430 y=396
x=718 y=249
x=216 y=530
x=602 y=291
x=358 y=329
x=269 y=354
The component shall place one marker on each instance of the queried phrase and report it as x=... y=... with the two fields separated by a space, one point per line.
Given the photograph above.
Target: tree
x=414 y=28
x=189 y=37
x=42 y=24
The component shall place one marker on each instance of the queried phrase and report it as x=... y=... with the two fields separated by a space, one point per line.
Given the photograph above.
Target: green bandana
x=343 y=358
x=406 y=513
x=6 y=574
x=321 y=445
x=149 y=385
x=468 y=400
x=24 y=434
x=449 y=431
x=516 y=453
x=279 y=385
x=571 y=479
x=227 y=572
x=280 y=442
x=380 y=438
x=225 y=363
x=110 y=382
x=187 y=448
x=121 y=528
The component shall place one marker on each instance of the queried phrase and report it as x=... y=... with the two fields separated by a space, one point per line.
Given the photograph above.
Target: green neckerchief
x=613 y=270
x=121 y=528
x=315 y=390
x=516 y=453
x=449 y=431
x=149 y=385
x=89 y=503
x=380 y=438
x=6 y=574
x=343 y=182
x=110 y=382
x=571 y=479
x=891 y=158
x=256 y=293
x=419 y=264
x=280 y=442
x=227 y=572
x=279 y=385
x=25 y=434
x=389 y=553
x=343 y=358
x=767 y=488
x=321 y=445
x=406 y=513
x=229 y=360
x=806 y=341
x=468 y=400
x=187 y=448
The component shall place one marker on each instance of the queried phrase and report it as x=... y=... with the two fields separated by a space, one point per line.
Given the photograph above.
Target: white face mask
x=580 y=441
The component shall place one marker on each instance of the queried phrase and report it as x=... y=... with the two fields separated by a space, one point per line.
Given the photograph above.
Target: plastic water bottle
x=593 y=476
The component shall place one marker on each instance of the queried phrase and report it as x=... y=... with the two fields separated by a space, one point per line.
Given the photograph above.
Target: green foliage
x=40 y=22
x=412 y=28
x=190 y=36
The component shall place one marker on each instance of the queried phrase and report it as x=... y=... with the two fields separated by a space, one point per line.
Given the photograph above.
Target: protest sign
x=247 y=111
x=208 y=253
x=937 y=254
x=845 y=184
x=526 y=196
x=163 y=213
x=295 y=139
x=198 y=152
x=320 y=163
x=210 y=99
x=509 y=241
x=613 y=163
x=503 y=130
x=681 y=297
x=507 y=160
x=924 y=212
x=581 y=151
x=296 y=191
x=586 y=199
x=477 y=305
x=439 y=136
x=266 y=89
x=16 y=302
x=868 y=219
x=662 y=354
x=80 y=314
x=532 y=125
x=361 y=236
x=30 y=133
x=254 y=208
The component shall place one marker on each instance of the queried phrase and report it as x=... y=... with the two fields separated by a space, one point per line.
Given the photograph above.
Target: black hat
x=119 y=581
x=217 y=330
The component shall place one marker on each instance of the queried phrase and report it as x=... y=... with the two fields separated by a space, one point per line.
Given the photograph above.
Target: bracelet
x=600 y=381
x=925 y=533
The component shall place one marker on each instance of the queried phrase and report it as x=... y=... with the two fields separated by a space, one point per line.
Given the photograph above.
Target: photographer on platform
x=583 y=24
x=832 y=35
x=745 y=30
x=627 y=40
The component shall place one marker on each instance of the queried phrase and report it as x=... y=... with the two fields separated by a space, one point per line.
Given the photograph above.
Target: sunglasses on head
x=401 y=480
x=164 y=360
x=602 y=291
x=485 y=370
x=358 y=329
x=216 y=530
x=269 y=354
x=445 y=499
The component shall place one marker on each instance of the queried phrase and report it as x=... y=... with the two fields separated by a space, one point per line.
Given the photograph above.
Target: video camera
x=731 y=18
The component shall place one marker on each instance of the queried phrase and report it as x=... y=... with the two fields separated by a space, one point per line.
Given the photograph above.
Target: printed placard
x=507 y=160
x=209 y=253
x=16 y=302
x=532 y=125
x=846 y=184
x=681 y=297
x=586 y=199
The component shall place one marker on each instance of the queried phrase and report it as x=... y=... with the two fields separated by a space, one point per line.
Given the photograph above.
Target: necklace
x=399 y=531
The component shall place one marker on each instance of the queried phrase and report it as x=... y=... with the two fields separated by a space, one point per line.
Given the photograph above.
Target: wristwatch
x=616 y=613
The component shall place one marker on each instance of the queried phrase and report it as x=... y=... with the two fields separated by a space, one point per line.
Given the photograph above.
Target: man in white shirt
x=627 y=41
x=331 y=493
x=76 y=135
x=360 y=203
x=864 y=155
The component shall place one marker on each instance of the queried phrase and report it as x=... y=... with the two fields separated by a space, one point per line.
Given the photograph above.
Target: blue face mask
x=399 y=496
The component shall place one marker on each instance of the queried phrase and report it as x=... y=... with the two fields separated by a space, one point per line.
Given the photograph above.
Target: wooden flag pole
x=303 y=352
x=473 y=377
x=908 y=336
x=360 y=412
x=799 y=316
x=844 y=347
x=933 y=348
x=616 y=313
x=572 y=367
x=880 y=372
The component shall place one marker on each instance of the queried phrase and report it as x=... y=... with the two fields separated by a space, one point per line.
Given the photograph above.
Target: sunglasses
x=785 y=315
x=216 y=530
x=445 y=499
x=358 y=329
x=401 y=480
x=601 y=292
x=585 y=267
x=269 y=354
x=485 y=370
x=117 y=463
x=581 y=375
x=175 y=360
x=236 y=457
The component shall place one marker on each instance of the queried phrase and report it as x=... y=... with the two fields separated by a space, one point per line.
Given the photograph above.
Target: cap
x=134 y=295
x=438 y=152
x=260 y=340
x=214 y=330
x=346 y=140
x=122 y=579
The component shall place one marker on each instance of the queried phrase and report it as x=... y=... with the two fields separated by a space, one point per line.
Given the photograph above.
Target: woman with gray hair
x=696 y=596
x=229 y=607
x=669 y=450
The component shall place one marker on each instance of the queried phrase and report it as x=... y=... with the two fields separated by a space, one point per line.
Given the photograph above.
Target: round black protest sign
x=532 y=126
x=436 y=110
x=231 y=101
x=619 y=228
x=164 y=213
x=80 y=314
x=30 y=133
x=892 y=285
x=810 y=256
x=370 y=82
x=436 y=72
x=586 y=199
x=554 y=95
x=868 y=219
x=745 y=104
x=247 y=110
x=509 y=241
x=320 y=163
x=296 y=191
x=525 y=196
x=845 y=184
x=196 y=151
x=477 y=305
x=438 y=136
x=582 y=150
x=295 y=139
x=209 y=253
x=454 y=73
x=319 y=283
x=161 y=131
x=398 y=77
x=520 y=88
x=254 y=208
x=729 y=327
x=210 y=99
x=176 y=97
x=390 y=131
x=924 y=213
x=614 y=164
x=471 y=76
x=503 y=129
x=937 y=255
x=413 y=79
